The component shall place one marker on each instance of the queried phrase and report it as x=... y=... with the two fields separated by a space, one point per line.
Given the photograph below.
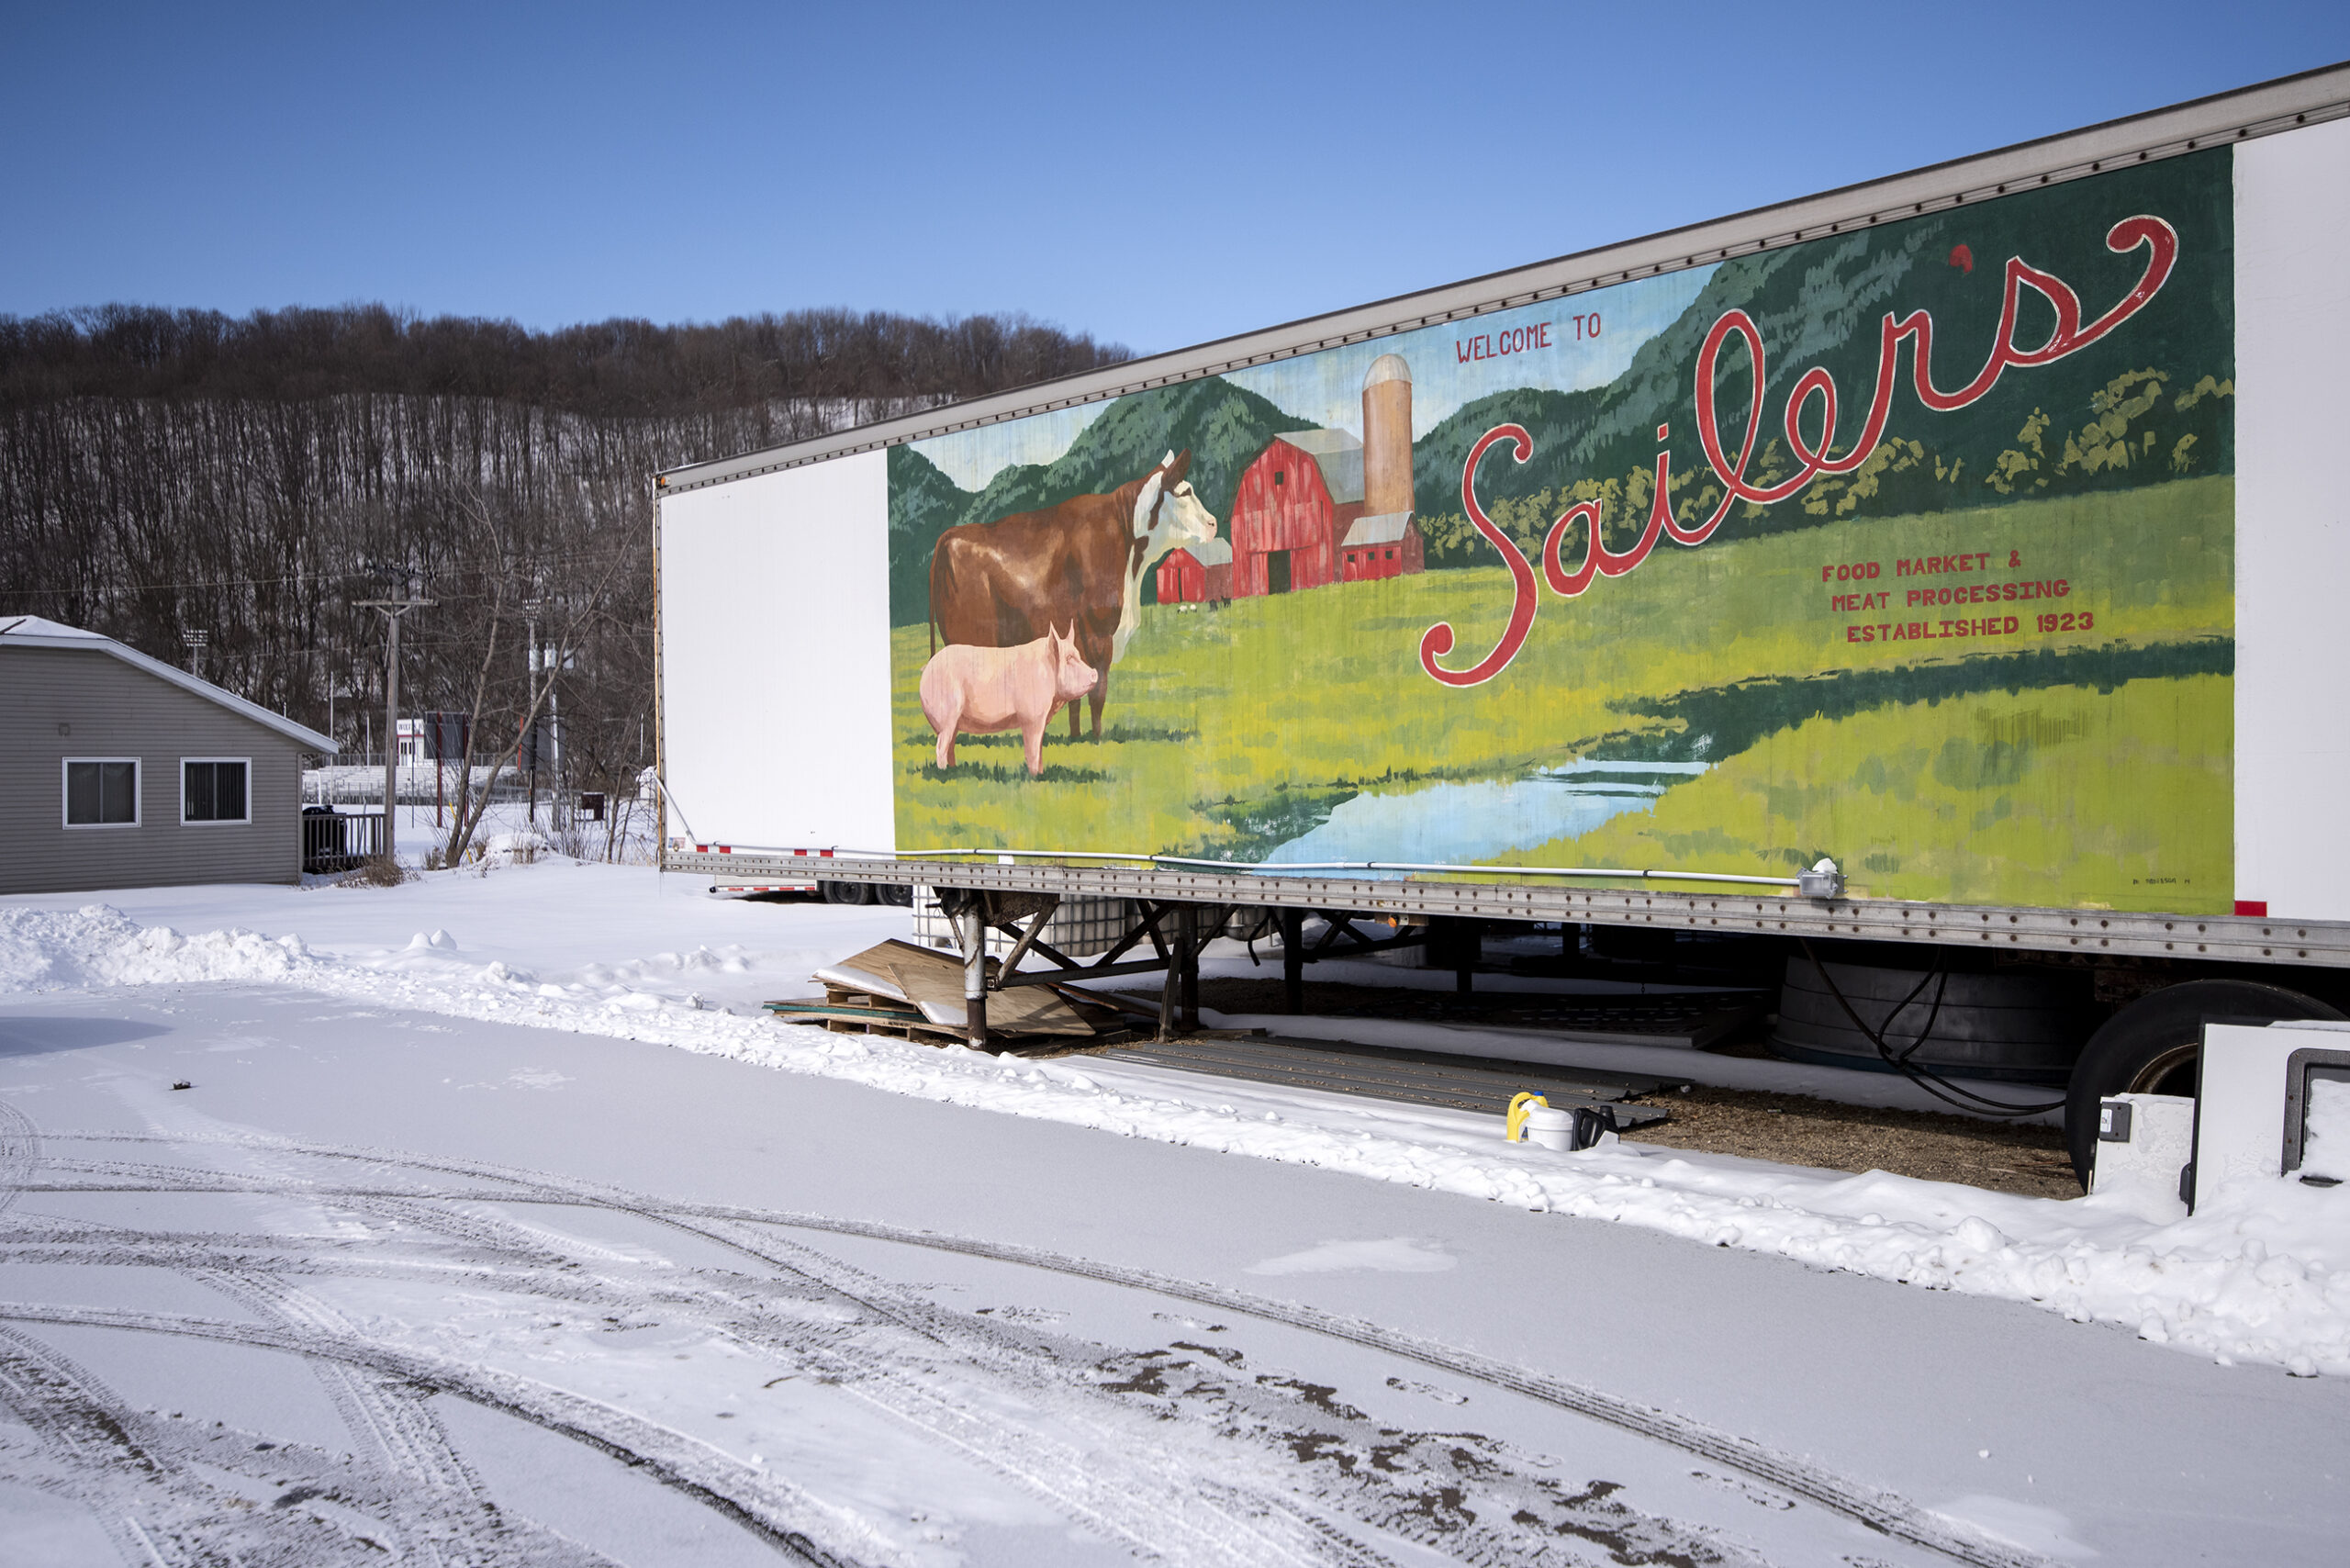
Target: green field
x=2090 y=767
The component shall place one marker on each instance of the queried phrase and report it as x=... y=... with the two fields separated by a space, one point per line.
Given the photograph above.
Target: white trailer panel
x=775 y=709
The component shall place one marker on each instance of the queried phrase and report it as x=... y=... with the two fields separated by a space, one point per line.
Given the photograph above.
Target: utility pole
x=530 y=609
x=391 y=610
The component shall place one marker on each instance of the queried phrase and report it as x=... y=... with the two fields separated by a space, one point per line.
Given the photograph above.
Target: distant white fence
x=352 y=779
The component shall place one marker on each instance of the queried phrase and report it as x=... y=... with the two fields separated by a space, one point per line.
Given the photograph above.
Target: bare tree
x=163 y=472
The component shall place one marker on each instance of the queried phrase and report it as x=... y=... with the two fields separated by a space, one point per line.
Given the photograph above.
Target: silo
x=1387 y=436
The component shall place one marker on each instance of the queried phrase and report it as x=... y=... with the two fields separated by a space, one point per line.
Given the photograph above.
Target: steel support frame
x=2218 y=938
x=1196 y=926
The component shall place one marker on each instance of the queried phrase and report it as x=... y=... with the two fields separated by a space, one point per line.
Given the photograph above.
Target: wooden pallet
x=906 y=992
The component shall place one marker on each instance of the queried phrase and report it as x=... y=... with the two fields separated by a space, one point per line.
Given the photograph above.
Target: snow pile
x=97 y=944
x=505 y=849
x=40 y=948
x=2261 y=1273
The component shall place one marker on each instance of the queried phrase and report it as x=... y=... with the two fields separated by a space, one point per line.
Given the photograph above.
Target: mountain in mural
x=2150 y=402
x=1223 y=426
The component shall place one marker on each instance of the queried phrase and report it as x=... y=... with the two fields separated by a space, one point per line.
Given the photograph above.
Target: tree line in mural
x=170 y=472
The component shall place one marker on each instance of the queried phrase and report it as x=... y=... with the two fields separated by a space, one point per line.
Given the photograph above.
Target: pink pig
x=982 y=690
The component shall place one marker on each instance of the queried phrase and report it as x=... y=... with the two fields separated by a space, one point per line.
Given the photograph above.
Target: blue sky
x=1158 y=175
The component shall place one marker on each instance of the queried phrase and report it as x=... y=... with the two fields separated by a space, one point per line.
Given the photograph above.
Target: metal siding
x=116 y=710
x=2292 y=716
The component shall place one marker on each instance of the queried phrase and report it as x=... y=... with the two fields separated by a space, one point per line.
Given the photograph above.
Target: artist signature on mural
x=1813 y=398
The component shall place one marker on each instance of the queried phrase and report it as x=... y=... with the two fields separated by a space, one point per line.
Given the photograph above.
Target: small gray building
x=119 y=771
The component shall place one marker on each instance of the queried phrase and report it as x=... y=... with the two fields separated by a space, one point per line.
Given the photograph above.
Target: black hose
x=1932 y=1083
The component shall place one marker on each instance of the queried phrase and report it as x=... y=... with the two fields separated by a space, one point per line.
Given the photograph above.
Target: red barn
x=1296 y=501
x=1388 y=545
x=1197 y=574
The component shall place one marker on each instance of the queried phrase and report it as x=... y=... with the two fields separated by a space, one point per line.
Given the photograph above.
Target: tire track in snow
x=1883 y=1511
x=767 y=1504
x=150 y=1484
x=1121 y=1498
x=461 y=1526
x=19 y=1152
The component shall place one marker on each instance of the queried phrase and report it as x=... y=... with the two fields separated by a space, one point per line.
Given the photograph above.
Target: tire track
x=150 y=1484
x=459 y=1526
x=19 y=1152
x=767 y=1505
x=1096 y=1484
x=1878 y=1509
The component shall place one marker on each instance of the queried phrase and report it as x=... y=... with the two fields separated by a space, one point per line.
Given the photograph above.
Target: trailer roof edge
x=2241 y=114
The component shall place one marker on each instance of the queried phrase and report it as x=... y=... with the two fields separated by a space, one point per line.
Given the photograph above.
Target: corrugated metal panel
x=2223 y=119
x=57 y=703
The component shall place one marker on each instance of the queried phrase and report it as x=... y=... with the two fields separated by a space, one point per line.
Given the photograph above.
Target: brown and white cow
x=1079 y=565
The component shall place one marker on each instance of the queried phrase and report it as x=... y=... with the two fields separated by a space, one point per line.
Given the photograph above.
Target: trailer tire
x=897 y=895
x=846 y=892
x=2152 y=1046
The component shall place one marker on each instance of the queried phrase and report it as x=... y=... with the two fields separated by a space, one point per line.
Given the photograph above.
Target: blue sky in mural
x=1587 y=340
x=1156 y=176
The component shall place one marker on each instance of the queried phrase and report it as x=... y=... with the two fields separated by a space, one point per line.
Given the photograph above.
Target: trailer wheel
x=846 y=892
x=897 y=895
x=2153 y=1045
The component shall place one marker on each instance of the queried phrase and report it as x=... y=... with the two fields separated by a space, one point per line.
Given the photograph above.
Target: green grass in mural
x=1230 y=730
x=1990 y=798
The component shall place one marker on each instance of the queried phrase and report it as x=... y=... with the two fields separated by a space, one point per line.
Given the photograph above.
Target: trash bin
x=323 y=845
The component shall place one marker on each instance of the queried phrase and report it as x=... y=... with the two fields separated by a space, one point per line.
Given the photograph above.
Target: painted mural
x=1911 y=546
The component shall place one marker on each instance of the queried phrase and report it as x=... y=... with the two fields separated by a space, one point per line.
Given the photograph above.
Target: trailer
x=1926 y=589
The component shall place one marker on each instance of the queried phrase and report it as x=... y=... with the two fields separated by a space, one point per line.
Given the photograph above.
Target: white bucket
x=1551 y=1128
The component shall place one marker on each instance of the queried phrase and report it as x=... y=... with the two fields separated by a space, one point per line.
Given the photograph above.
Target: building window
x=1278 y=477
x=101 y=792
x=1391 y=554
x=212 y=789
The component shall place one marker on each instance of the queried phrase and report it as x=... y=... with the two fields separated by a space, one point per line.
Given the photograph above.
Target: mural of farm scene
x=1912 y=547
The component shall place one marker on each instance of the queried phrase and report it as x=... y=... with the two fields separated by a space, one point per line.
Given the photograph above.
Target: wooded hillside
x=168 y=471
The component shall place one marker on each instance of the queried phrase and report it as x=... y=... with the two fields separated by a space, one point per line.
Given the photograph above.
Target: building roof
x=1387 y=367
x=1338 y=454
x=32 y=631
x=1207 y=552
x=1381 y=528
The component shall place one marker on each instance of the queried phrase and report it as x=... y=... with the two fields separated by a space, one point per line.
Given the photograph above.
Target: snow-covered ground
x=438 y=1210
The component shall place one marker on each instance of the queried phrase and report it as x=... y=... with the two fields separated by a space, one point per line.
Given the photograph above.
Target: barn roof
x=32 y=631
x=1207 y=553
x=1381 y=528
x=1338 y=454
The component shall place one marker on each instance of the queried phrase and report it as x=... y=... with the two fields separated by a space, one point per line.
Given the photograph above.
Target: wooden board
x=1025 y=1010
x=932 y=982
x=869 y=970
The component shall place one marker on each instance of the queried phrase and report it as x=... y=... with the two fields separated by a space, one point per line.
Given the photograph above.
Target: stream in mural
x=1465 y=823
